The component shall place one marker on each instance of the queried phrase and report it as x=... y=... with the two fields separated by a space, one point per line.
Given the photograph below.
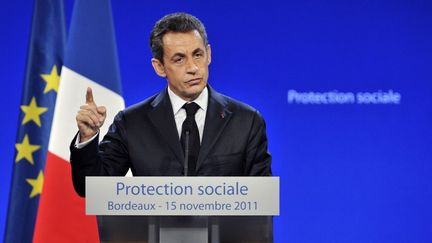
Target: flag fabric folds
x=43 y=205
x=90 y=61
x=44 y=61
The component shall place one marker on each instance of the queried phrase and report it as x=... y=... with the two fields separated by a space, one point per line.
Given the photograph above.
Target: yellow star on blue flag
x=33 y=112
x=37 y=185
x=25 y=150
x=52 y=80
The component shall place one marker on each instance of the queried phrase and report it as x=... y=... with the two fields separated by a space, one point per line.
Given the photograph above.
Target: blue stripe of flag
x=91 y=49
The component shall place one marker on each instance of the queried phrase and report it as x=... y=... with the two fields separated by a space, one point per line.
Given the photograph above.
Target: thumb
x=101 y=110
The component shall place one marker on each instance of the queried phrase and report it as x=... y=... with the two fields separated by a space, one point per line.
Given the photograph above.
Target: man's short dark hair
x=175 y=22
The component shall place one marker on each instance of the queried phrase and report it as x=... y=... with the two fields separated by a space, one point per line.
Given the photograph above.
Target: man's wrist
x=81 y=143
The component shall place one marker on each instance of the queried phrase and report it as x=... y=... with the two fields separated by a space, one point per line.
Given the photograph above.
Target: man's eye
x=198 y=55
x=178 y=60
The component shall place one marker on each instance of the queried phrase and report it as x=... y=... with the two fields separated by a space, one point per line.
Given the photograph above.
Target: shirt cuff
x=79 y=145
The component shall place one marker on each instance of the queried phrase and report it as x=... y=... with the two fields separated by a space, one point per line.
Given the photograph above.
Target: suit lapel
x=162 y=118
x=217 y=118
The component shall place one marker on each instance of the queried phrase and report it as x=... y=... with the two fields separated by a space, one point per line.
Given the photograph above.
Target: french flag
x=90 y=61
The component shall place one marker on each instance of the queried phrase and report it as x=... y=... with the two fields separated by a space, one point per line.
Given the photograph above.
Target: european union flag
x=45 y=58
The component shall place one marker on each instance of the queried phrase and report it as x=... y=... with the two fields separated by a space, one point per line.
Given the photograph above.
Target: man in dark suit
x=187 y=129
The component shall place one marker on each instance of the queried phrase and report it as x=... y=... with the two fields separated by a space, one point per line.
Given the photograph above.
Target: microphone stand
x=212 y=225
x=186 y=153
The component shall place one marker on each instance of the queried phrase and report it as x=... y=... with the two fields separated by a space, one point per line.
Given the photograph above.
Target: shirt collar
x=177 y=102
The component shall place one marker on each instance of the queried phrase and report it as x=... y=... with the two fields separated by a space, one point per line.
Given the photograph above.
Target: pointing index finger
x=89 y=96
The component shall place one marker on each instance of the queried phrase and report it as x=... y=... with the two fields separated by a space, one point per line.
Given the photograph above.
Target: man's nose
x=192 y=67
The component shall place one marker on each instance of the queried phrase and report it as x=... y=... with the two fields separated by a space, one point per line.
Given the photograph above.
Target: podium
x=183 y=209
x=188 y=229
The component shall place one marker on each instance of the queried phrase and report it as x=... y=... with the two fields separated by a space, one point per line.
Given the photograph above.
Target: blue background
x=349 y=173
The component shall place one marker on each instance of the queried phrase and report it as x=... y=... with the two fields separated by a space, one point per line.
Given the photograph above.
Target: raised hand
x=90 y=117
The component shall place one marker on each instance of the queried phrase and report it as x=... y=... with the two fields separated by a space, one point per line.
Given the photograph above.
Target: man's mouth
x=194 y=81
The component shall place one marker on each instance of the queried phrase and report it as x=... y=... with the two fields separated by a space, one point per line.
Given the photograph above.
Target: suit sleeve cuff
x=79 y=145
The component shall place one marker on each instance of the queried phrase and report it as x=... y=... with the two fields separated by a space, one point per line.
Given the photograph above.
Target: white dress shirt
x=179 y=114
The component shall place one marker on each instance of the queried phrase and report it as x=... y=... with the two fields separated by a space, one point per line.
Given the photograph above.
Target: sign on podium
x=183 y=209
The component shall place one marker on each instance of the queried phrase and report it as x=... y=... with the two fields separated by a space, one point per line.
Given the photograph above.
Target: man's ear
x=208 y=53
x=158 y=67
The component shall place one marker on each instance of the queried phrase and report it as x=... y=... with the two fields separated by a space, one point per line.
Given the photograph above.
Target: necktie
x=190 y=132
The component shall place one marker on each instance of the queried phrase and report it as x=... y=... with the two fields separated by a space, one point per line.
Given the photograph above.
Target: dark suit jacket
x=144 y=138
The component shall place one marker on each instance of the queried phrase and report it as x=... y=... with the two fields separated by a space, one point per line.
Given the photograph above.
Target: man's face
x=186 y=61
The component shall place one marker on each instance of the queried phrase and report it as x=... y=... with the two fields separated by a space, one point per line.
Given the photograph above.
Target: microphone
x=188 y=127
x=186 y=153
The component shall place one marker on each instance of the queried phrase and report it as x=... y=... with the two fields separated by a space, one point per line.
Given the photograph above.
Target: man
x=187 y=129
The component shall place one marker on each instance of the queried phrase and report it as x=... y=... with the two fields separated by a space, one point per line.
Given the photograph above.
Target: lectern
x=184 y=209
x=187 y=229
